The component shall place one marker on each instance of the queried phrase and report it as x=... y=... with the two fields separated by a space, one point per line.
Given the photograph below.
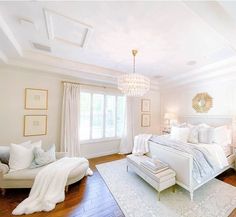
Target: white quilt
x=49 y=186
x=141 y=146
x=216 y=152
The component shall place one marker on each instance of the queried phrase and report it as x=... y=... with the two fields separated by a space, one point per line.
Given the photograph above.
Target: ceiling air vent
x=41 y=47
x=157 y=76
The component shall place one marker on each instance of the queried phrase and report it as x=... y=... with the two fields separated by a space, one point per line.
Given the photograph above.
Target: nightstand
x=165 y=132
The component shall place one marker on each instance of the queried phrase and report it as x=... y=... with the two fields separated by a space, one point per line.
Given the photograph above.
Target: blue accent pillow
x=4 y=154
x=42 y=157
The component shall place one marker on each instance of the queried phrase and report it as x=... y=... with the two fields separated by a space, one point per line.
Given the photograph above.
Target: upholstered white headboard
x=211 y=120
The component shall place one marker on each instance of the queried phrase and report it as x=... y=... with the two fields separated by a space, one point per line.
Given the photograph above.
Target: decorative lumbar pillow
x=42 y=157
x=193 y=135
x=4 y=154
x=21 y=155
x=179 y=133
x=206 y=135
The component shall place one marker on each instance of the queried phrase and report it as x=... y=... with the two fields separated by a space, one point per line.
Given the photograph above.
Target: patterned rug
x=136 y=198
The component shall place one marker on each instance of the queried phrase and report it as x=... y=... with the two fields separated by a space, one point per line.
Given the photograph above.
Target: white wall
x=154 y=128
x=12 y=85
x=179 y=101
x=13 y=81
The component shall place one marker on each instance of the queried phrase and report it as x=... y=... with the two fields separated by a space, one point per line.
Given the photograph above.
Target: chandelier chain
x=134 y=64
x=134 y=52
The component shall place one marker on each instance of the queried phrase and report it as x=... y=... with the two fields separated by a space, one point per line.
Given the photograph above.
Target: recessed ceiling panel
x=66 y=29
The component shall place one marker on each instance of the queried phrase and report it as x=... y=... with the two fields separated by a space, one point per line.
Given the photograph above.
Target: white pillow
x=206 y=135
x=222 y=135
x=21 y=155
x=179 y=133
x=179 y=125
x=193 y=135
x=203 y=125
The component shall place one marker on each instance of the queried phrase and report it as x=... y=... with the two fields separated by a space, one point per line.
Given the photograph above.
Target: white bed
x=182 y=162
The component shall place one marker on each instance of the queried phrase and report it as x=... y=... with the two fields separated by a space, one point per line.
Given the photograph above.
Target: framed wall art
x=146 y=105
x=36 y=99
x=145 y=120
x=35 y=125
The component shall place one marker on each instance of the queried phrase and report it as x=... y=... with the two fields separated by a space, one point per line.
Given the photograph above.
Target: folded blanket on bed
x=49 y=186
x=141 y=144
x=205 y=161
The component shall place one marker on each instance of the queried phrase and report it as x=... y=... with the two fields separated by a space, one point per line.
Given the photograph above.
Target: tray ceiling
x=175 y=39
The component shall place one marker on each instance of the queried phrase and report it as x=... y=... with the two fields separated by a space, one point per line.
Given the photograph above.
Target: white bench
x=159 y=181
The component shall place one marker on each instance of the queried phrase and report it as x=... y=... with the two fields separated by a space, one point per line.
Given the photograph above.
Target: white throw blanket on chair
x=141 y=144
x=49 y=186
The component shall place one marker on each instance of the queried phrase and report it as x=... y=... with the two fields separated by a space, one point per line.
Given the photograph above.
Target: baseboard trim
x=89 y=156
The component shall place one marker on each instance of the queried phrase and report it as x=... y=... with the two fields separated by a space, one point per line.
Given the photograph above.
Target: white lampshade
x=169 y=116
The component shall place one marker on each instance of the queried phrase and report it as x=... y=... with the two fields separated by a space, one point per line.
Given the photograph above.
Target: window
x=98 y=108
x=101 y=116
x=110 y=116
x=85 y=108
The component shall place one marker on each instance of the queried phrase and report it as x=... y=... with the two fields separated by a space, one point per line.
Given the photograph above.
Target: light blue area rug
x=138 y=199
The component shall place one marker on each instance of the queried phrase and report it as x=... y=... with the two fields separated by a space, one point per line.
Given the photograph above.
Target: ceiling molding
x=34 y=65
x=205 y=69
x=10 y=36
x=73 y=74
x=218 y=19
x=51 y=75
x=204 y=81
x=55 y=20
x=58 y=62
x=216 y=81
x=3 y=57
x=204 y=73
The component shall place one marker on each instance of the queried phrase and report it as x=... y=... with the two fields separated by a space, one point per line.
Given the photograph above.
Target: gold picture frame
x=36 y=99
x=202 y=102
x=145 y=120
x=145 y=105
x=35 y=125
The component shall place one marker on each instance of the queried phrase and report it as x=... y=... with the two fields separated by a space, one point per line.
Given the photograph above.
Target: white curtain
x=70 y=120
x=126 y=144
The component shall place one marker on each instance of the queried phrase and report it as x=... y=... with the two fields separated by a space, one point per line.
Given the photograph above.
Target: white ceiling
x=81 y=35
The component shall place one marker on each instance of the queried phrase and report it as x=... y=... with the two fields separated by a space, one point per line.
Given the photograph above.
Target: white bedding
x=227 y=150
x=207 y=158
x=216 y=152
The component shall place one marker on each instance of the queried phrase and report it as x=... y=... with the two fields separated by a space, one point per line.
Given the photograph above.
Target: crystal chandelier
x=133 y=84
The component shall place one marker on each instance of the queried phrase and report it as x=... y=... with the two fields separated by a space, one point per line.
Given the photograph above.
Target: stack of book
x=154 y=166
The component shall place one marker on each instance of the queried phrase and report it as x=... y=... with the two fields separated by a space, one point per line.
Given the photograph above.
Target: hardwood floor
x=88 y=198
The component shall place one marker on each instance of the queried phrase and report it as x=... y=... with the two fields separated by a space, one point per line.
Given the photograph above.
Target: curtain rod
x=84 y=84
